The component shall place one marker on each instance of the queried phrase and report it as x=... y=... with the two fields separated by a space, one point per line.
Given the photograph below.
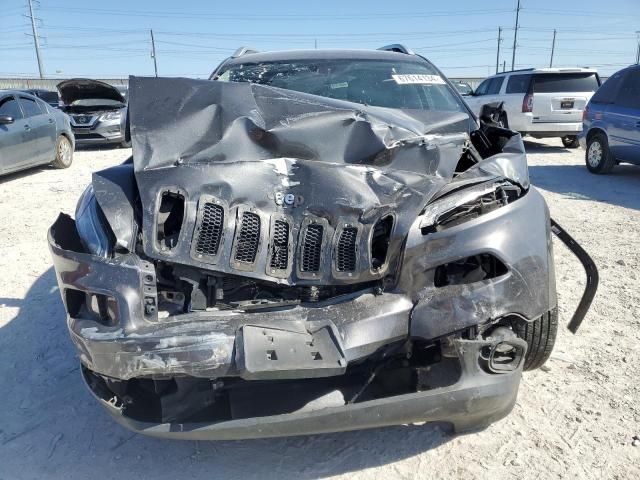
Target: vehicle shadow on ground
x=23 y=173
x=99 y=147
x=50 y=426
x=620 y=187
x=532 y=146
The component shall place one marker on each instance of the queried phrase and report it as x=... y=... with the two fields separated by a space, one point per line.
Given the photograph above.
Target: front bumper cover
x=475 y=401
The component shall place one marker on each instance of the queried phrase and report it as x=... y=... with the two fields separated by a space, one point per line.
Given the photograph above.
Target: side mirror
x=6 y=119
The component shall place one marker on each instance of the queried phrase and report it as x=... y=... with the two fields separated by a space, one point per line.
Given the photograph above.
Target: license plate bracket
x=270 y=353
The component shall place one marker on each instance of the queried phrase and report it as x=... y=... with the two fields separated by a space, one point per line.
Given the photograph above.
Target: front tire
x=540 y=336
x=598 y=156
x=64 y=153
x=570 y=141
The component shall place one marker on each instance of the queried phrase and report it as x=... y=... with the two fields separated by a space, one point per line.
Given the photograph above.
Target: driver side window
x=9 y=106
x=482 y=88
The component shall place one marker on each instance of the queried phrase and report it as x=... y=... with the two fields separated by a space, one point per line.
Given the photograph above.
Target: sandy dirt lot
x=576 y=418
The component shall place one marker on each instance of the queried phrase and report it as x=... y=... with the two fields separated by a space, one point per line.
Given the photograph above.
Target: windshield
x=565 y=82
x=463 y=88
x=402 y=85
x=49 y=97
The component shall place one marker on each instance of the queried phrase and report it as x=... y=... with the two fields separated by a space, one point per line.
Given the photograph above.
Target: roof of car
x=15 y=92
x=550 y=70
x=257 y=57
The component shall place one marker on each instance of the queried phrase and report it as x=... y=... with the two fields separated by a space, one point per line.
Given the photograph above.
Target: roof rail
x=243 y=51
x=517 y=70
x=397 y=47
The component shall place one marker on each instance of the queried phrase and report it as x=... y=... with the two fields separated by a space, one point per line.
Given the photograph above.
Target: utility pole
x=515 y=38
x=315 y=43
x=638 y=47
x=498 y=54
x=36 y=40
x=153 y=53
x=553 y=47
x=504 y=66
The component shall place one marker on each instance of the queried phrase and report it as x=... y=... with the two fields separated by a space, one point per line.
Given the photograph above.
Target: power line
x=577 y=13
x=292 y=17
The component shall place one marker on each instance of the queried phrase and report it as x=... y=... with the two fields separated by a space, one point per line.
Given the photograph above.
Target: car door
x=476 y=100
x=14 y=137
x=52 y=128
x=624 y=119
x=514 y=93
x=42 y=128
x=493 y=90
x=490 y=93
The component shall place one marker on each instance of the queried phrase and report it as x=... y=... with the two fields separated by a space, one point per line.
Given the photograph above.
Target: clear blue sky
x=111 y=39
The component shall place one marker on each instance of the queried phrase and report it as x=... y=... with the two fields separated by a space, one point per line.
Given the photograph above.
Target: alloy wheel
x=594 y=154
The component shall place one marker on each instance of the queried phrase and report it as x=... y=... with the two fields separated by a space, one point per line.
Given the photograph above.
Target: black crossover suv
x=310 y=241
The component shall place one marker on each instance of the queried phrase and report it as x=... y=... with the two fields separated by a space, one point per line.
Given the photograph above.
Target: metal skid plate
x=269 y=353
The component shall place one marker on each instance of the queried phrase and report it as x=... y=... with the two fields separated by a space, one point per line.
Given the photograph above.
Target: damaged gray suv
x=308 y=242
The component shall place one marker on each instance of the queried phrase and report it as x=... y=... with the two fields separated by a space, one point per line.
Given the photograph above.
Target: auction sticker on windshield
x=418 y=78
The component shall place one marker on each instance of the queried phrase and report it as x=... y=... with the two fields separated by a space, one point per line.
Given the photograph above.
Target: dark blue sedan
x=611 y=122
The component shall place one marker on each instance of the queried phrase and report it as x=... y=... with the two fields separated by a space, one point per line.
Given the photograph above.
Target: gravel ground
x=575 y=418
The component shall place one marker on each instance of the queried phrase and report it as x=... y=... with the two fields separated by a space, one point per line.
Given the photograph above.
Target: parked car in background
x=542 y=102
x=611 y=122
x=48 y=96
x=32 y=133
x=98 y=111
x=463 y=88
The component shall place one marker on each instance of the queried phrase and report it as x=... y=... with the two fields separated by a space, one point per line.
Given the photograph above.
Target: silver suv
x=98 y=111
x=542 y=102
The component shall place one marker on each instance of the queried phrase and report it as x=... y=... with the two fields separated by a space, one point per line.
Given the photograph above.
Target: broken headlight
x=467 y=204
x=91 y=225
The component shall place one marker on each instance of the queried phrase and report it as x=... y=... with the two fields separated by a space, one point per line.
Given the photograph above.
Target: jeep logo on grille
x=288 y=199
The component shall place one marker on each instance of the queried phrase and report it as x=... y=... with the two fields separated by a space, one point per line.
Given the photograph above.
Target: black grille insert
x=280 y=245
x=211 y=228
x=346 y=251
x=312 y=248
x=248 y=238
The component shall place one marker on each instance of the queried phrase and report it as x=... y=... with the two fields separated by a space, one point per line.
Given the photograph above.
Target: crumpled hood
x=84 y=89
x=249 y=146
